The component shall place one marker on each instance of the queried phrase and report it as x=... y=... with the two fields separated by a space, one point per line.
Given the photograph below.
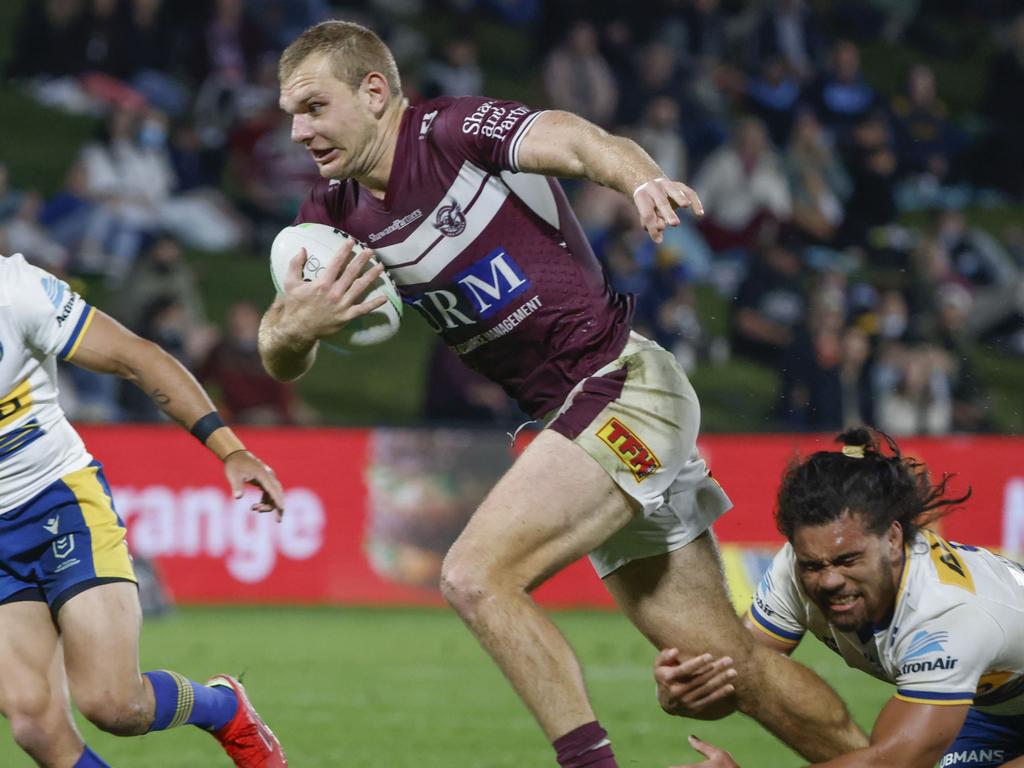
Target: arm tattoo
x=161 y=399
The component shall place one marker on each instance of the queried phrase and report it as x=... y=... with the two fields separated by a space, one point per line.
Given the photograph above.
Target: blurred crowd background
x=861 y=164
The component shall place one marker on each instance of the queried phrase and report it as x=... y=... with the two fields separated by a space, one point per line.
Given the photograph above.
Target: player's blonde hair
x=354 y=52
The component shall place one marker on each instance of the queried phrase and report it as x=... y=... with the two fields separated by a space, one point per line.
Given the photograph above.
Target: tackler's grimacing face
x=850 y=573
x=335 y=122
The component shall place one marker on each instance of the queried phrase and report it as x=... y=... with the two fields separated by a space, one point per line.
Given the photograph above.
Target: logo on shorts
x=450 y=220
x=52 y=525
x=638 y=458
x=64 y=546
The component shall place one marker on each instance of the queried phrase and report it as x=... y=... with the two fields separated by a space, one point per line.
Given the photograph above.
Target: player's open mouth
x=842 y=603
x=323 y=155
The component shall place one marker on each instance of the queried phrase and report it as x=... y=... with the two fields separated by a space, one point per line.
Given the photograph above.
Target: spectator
x=787 y=31
x=457 y=74
x=818 y=180
x=842 y=97
x=51 y=40
x=913 y=397
x=657 y=75
x=925 y=139
x=658 y=132
x=742 y=185
x=871 y=160
x=578 y=79
x=1004 y=155
x=769 y=308
x=247 y=394
x=773 y=95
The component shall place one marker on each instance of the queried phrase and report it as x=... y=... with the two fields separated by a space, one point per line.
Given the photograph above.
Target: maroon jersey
x=493 y=259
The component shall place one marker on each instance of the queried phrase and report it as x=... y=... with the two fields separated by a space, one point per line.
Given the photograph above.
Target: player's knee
x=466 y=582
x=115 y=713
x=32 y=724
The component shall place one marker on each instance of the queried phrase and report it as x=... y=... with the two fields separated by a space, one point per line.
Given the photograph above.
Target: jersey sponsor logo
x=922 y=644
x=449 y=220
x=493 y=121
x=477 y=293
x=925 y=642
x=973 y=757
x=65 y=311
x=630 y=450
x=950 y=568
x=426 y=123
x=14 y=402
x=396 y=225
x=499 y=330
x=54 y=290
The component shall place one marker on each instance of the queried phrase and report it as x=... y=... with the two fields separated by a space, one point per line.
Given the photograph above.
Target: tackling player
x=69 y=605
x=455 y=197
x=942 y=621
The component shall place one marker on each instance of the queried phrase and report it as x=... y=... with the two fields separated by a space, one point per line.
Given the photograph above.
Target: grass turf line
x=409 y=687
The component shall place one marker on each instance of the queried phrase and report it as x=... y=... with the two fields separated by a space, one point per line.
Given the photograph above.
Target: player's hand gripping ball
x=322 y=243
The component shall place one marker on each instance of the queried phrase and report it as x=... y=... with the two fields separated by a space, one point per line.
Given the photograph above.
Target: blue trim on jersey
x=933 y=696
x=783 y=633
x=19 y=438
x=86 y=311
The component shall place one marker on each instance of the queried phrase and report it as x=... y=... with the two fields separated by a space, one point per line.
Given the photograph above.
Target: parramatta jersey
x=956 y=635
x=41 y=319
x=493 y=259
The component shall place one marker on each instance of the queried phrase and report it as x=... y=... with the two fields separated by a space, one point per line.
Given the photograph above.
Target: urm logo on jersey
x=477 y=293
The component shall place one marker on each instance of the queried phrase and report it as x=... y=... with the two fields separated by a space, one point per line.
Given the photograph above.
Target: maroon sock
x=585 y=747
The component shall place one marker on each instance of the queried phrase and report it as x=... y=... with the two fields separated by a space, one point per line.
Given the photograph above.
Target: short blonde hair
x=354 y=52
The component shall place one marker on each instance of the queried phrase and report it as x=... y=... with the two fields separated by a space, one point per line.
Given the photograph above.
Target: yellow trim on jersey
x=753 y=620
x=934 y=702
x=14 y=403
x=81 y=334
x=992 y=681
x=950 y=568
x=110 y=557
x=736 y=577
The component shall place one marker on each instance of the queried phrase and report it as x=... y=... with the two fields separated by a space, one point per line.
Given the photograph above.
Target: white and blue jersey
x=59 y=532
x=956 y=637
x=41 y=319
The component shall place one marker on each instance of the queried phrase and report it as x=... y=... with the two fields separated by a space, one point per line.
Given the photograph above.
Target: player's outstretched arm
x=906 y=735
x=108 y=347
x=565 y=145
x=310 y=310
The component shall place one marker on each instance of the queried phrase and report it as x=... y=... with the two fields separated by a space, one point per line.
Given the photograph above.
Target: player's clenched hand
x=688 y=687
x=716 y=758
x=657 y=201
x=322 y=306
x=241 y=468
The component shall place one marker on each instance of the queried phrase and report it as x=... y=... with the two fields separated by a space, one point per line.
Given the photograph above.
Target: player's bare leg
x=680 y=600
x=33 y=688
x=553 y=506
x=100 y=627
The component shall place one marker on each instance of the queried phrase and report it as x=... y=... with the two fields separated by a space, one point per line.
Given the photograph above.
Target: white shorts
x=638 y=417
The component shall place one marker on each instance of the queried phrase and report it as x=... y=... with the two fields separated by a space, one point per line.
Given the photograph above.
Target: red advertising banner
x=370 y=513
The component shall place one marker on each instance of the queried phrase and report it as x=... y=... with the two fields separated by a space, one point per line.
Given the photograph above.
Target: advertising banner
x=370 y=513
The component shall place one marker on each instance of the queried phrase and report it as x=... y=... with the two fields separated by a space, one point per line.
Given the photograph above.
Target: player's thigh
x=32 y=683
x=681 y=600
x=100 y=627
x=554 y=505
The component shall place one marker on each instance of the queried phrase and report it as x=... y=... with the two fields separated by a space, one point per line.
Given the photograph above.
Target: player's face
x=851 y=574
x=333 y=121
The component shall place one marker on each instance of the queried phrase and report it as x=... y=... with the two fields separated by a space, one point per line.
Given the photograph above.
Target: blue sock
x=180 y=701
x=90 y=759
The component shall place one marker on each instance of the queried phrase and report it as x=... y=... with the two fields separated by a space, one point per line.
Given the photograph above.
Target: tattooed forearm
x=160 y=398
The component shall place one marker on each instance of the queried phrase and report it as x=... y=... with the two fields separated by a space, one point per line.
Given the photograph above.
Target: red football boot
x=248 y=741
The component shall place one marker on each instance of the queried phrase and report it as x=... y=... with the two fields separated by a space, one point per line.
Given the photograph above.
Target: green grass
x=404 y=688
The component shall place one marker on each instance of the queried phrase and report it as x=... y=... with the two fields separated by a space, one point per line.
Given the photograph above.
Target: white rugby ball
x=322 y=243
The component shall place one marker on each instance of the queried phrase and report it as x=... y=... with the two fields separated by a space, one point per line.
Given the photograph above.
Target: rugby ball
x=322 y=244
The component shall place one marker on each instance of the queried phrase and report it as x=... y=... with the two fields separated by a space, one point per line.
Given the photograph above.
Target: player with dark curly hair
x=862 y=571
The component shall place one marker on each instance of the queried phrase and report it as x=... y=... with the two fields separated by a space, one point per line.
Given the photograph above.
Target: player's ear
x=894 y=537
x=375 y=92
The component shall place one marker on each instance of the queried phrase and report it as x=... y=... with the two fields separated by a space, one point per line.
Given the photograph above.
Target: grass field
x=381 y=688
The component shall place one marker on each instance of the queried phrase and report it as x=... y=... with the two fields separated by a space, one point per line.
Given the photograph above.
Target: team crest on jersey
x=450 y=220
x=630 y=449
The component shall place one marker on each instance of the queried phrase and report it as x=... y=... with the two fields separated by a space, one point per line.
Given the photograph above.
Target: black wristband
x=206 y=426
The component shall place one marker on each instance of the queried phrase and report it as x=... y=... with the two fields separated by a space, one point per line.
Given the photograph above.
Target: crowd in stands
x=809 y=172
